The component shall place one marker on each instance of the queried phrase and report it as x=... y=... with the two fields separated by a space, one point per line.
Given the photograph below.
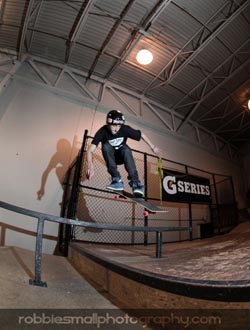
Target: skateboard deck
x=139 y=200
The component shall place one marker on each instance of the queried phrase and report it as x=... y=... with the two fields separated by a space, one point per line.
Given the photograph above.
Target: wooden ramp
x=213 y=272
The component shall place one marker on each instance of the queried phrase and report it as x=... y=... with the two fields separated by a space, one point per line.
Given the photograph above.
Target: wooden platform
x=210 y=272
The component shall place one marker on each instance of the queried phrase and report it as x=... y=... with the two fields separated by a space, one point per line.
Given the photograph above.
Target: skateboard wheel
x=145 y=213
x=116 y=197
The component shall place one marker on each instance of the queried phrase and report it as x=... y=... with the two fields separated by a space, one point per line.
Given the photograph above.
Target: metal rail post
x=38 y=255
x=158 y=244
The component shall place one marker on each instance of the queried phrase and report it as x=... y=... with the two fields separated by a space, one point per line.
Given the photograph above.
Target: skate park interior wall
x=246 y=173
x=40 y=135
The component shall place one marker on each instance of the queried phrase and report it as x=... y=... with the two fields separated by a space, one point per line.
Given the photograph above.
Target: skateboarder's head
x=114 y=120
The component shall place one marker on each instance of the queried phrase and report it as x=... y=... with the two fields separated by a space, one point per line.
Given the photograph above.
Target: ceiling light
x=144 y=57
x=248 y=104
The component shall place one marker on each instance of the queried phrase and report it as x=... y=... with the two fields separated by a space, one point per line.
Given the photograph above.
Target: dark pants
x=114 y=157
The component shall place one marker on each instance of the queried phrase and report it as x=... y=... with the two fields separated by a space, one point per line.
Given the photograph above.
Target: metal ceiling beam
x=122 y=92
x=110 y=35
x=79 y=24
x=3 y=2
x=220 y=129
x=122 y=100
x=226 y=106
x=173 y=63
x=136 y=35
x=233 y=137
x=85 y=90
x=210 y=76
x=39 y=73
x=174 y=71
x=226 y=123
x=191 y=112
x=225 y=100
x=24 y=29
x=11 y=73
x=38 y=8
x=160 y=117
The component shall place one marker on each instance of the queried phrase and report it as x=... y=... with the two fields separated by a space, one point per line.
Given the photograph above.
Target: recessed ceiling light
x=144 y=57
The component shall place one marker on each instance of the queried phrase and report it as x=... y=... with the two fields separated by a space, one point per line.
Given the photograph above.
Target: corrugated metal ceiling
x=201 y=51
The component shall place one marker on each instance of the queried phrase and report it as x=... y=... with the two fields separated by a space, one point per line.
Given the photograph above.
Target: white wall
x=34 y=123
x=39 y=132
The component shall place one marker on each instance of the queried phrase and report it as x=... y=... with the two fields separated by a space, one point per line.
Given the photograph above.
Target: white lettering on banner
x=170 y=186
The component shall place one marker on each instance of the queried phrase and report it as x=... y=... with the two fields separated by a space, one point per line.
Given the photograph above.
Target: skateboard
x=149 y=208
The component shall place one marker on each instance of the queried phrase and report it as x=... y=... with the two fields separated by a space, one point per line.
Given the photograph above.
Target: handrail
x=41 y=217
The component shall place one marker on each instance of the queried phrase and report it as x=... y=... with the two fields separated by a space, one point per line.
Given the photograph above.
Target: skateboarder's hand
x=156 y=150
x=40 y=194
x=90 y=172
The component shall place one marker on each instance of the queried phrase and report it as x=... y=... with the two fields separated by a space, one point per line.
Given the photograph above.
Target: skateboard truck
x=148 y=207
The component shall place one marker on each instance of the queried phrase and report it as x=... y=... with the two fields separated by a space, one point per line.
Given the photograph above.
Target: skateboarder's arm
x=150 y=144
x=90 y=165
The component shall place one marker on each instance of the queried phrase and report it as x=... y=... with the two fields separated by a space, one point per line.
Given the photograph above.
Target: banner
x=181 y=187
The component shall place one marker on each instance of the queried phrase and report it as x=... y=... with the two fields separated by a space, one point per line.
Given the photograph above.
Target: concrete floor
x=24 y=306
x=66 y=288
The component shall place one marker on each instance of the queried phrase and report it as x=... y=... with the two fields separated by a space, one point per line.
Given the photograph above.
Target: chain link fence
x=94 y=203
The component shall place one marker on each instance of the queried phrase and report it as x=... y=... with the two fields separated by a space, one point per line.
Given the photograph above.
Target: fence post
x=218 y=217
x=190 y=213
x=158 y=244
x=146 y=197
x=62 y=248
x=72 y=208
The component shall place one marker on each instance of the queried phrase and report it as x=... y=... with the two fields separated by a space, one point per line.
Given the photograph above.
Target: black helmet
x=115 y=117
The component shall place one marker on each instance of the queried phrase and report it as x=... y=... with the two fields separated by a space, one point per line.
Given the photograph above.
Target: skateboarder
x=113 y=137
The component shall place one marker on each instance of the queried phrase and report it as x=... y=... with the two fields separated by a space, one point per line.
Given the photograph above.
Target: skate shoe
x=116 y=184
x=137 y=188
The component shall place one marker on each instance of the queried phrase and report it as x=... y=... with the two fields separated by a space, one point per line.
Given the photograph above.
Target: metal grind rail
x=42 y=217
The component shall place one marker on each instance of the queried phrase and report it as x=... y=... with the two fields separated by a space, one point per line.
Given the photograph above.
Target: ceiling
x=201 y=49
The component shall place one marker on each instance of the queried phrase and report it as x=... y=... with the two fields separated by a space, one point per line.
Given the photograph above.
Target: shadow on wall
x=83 y=211
x=4 y=227
x=60 y=161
